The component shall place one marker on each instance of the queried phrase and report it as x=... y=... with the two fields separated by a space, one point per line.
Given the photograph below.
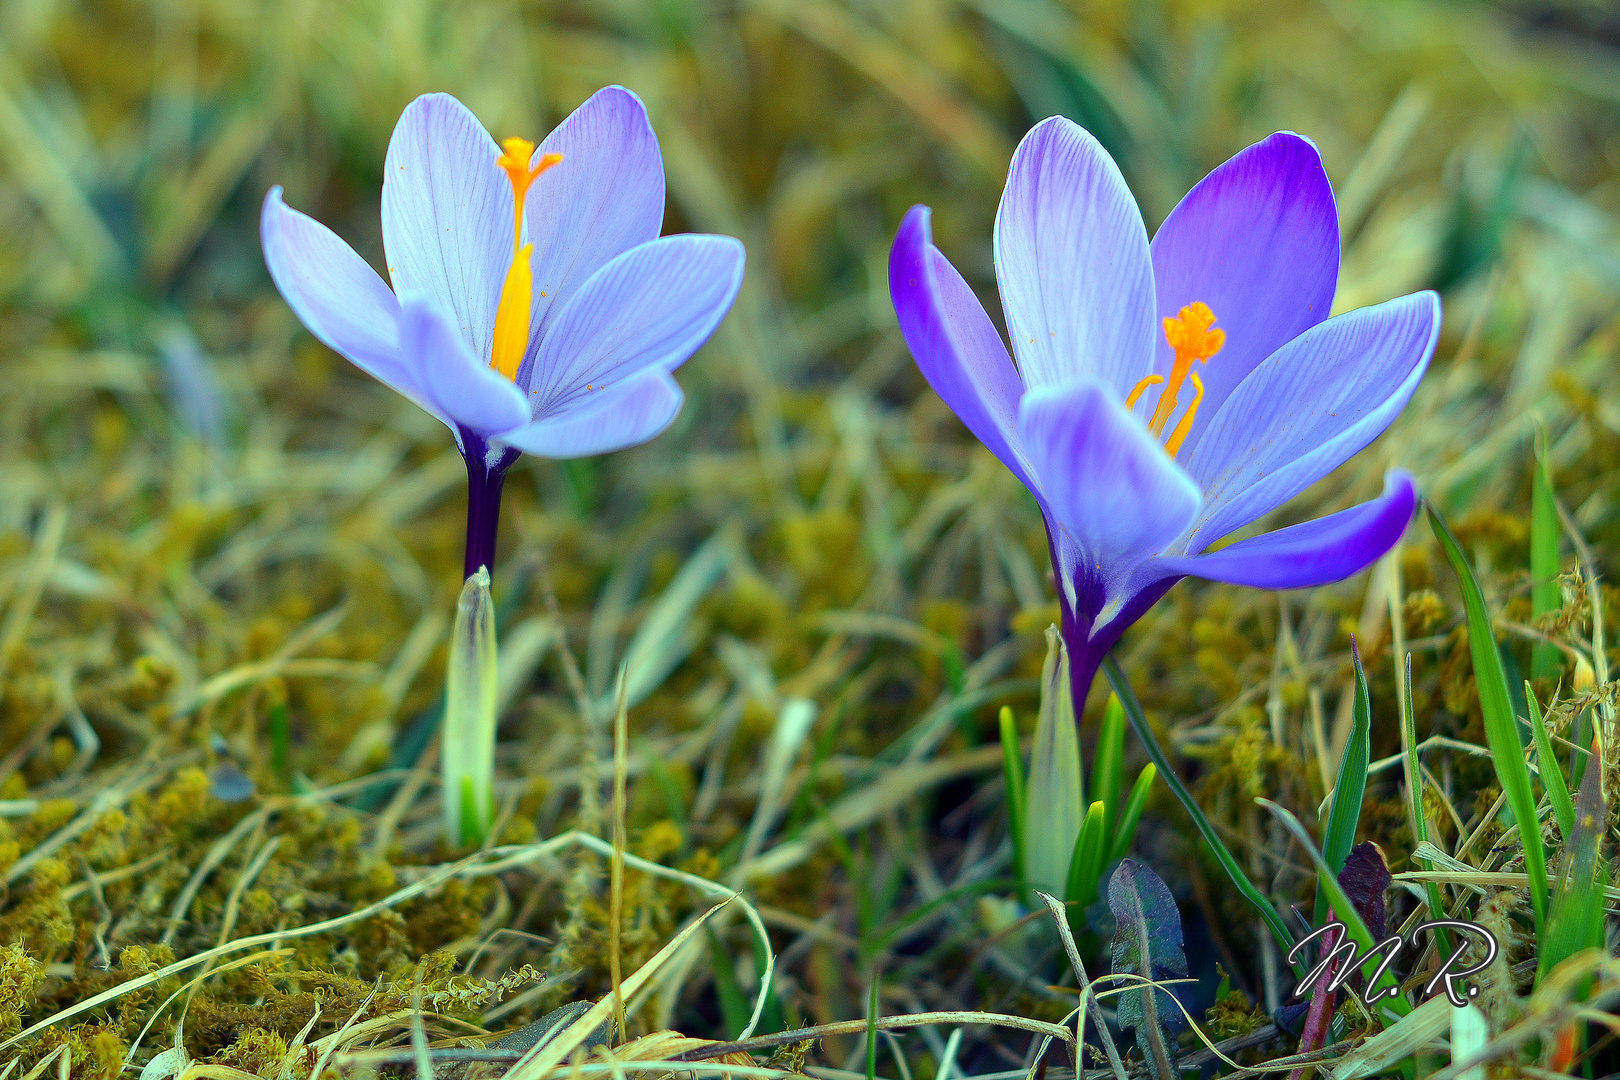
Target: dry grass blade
x=621 y=752
x=865 y=48
x=539 y=1061
x=1087 y=996
x=46 y=545
x=1420 y=1029
x=708 y=1051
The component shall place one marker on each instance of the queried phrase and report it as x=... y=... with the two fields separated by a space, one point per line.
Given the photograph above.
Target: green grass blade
x=735 y=1008
x=1351 y=787
x=1013 y=769
x=1125 y=833
x=1577 y=917
x=1544 y=530
x=1501 y=729
x=871 y=1029
x=1107 y=764
x=1552 y=774
x=1414 y=795
x=771 y=1019
x=1223 y=855
x=1328 y=882
x=913 y=916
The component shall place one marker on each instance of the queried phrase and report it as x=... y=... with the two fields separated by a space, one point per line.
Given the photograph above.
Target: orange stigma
x=517 y=294
x=1195 y=338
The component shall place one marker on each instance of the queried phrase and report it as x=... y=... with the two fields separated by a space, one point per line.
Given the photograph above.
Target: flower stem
x=486 y=473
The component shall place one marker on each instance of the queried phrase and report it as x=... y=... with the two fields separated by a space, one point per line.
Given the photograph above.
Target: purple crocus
x=1136 y=472
x=535 y=306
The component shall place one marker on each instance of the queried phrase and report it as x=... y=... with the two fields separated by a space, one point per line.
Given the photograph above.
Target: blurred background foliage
x=188 y=481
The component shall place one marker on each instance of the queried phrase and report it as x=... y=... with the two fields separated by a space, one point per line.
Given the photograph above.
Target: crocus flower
x=535 y=307
x=1166 y=395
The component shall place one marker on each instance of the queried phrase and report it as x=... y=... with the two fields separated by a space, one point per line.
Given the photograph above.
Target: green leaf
x=1055 y=787
x=1544 y=593
x=1012 y=767
x=1108 y=763
x=1552 y=774
x=1351 y=786
x=1501 y=729
x=1139 y=724
x=1147 y=942
x=1125 y=835
x=1086 y=865
x=1049 y=79
x=1328 y=882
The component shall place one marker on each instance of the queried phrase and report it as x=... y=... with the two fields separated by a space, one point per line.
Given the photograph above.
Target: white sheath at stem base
x=467 y=749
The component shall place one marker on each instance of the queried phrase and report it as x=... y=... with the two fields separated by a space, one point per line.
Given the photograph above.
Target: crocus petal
x=605 y=197
x=447 y=215
x=1307 y=408
x=1257 y=240
x=466 y=390
x=335 y=293
x=1313 y=553
x=955 y=344
x=650 y=307
x=1111 y=488
x=1072 y=261
x=626 y=415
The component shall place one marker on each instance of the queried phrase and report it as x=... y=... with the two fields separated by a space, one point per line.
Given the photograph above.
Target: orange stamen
x=1141 y=387
x=511 y=339
x=1192 y=335
x=1178 y=436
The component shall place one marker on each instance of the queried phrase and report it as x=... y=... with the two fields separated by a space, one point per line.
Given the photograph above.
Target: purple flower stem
x=486 y=473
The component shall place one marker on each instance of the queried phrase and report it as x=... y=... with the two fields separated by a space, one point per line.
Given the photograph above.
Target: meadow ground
x=228 y=560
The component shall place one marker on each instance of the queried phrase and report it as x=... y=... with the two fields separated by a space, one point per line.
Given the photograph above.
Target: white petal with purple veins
x=1072 y=261
x=626 y=415
x=1308 y=408
x=338 y=297
x=1111 y=488
x=955 y=344
x=605 y=197
x=447 y=215
x=650 y=307
x=465 y=389
x=1257 y=240
x=1313 y=552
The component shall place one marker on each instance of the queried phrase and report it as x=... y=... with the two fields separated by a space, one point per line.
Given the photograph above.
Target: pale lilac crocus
x=1136 y=472
x=534 y=305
